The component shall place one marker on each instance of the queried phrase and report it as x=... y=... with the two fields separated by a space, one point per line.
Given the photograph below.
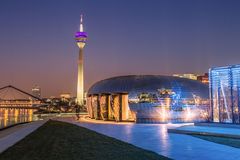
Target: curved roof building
x=151 y=98
x=150 y=83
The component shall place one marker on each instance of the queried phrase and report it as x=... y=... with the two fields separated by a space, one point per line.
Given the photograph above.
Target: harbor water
x=13 y=116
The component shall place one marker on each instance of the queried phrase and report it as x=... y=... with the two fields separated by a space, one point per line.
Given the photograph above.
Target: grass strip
x=233 y=142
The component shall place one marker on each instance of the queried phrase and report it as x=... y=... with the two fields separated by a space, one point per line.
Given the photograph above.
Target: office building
x=224 y=83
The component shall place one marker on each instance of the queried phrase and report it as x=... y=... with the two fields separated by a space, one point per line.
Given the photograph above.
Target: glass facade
x=224 y=94
x=149 y=98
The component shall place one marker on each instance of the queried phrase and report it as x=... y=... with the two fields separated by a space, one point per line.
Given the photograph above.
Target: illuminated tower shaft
x=80 y=83
x=81 y=38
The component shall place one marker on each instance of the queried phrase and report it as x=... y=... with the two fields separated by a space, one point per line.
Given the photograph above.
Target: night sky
x=162 y=37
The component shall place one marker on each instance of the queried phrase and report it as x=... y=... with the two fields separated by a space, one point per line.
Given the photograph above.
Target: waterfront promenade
x=10 y=136
x=155 y=137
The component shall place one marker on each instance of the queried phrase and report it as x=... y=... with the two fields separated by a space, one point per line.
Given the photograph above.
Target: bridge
x=13 y=97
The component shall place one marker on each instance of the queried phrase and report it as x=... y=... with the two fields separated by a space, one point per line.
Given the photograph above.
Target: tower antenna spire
x=81 y=23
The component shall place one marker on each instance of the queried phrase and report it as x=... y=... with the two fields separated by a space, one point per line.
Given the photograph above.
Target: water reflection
x=163 y=136
x=13 y=116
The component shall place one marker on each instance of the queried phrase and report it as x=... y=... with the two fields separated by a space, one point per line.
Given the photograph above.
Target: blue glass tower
x=225 y=94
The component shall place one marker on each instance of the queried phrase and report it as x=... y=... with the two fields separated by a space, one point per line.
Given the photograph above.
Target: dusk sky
x=162 y=37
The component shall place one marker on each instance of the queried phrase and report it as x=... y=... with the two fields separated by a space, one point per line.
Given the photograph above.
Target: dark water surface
x=13 y=116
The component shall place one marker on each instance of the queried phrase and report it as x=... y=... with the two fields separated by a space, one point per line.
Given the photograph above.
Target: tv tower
x=81 y=38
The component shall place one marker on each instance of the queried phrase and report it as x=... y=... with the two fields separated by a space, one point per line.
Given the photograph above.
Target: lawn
x=63 y=141
x=233 y=142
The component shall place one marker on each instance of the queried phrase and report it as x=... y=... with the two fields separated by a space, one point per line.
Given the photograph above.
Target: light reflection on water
x=13 y=116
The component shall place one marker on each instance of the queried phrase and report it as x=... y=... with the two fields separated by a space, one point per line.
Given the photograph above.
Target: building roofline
x=225 y=67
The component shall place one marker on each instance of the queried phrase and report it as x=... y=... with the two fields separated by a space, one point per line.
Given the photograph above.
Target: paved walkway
x=234 y=131
x=228 y=132
x=10 y=136
x=155 y=137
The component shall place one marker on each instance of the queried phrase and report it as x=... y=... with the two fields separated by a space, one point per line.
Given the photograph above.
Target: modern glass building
x=149 y=98
x=225 y=94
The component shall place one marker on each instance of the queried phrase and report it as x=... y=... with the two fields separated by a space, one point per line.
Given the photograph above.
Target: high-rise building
x=224 y=83
x=203 y=78
x=65 y=96
x=81 y=38
x=36 y=91
x=187 y=75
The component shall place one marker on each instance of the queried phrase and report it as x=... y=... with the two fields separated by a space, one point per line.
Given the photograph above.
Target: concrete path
x=230 y=131
x=12 y=135
x=155 y=137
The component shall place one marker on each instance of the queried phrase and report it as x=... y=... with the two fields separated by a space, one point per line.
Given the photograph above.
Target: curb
x=203 y=133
